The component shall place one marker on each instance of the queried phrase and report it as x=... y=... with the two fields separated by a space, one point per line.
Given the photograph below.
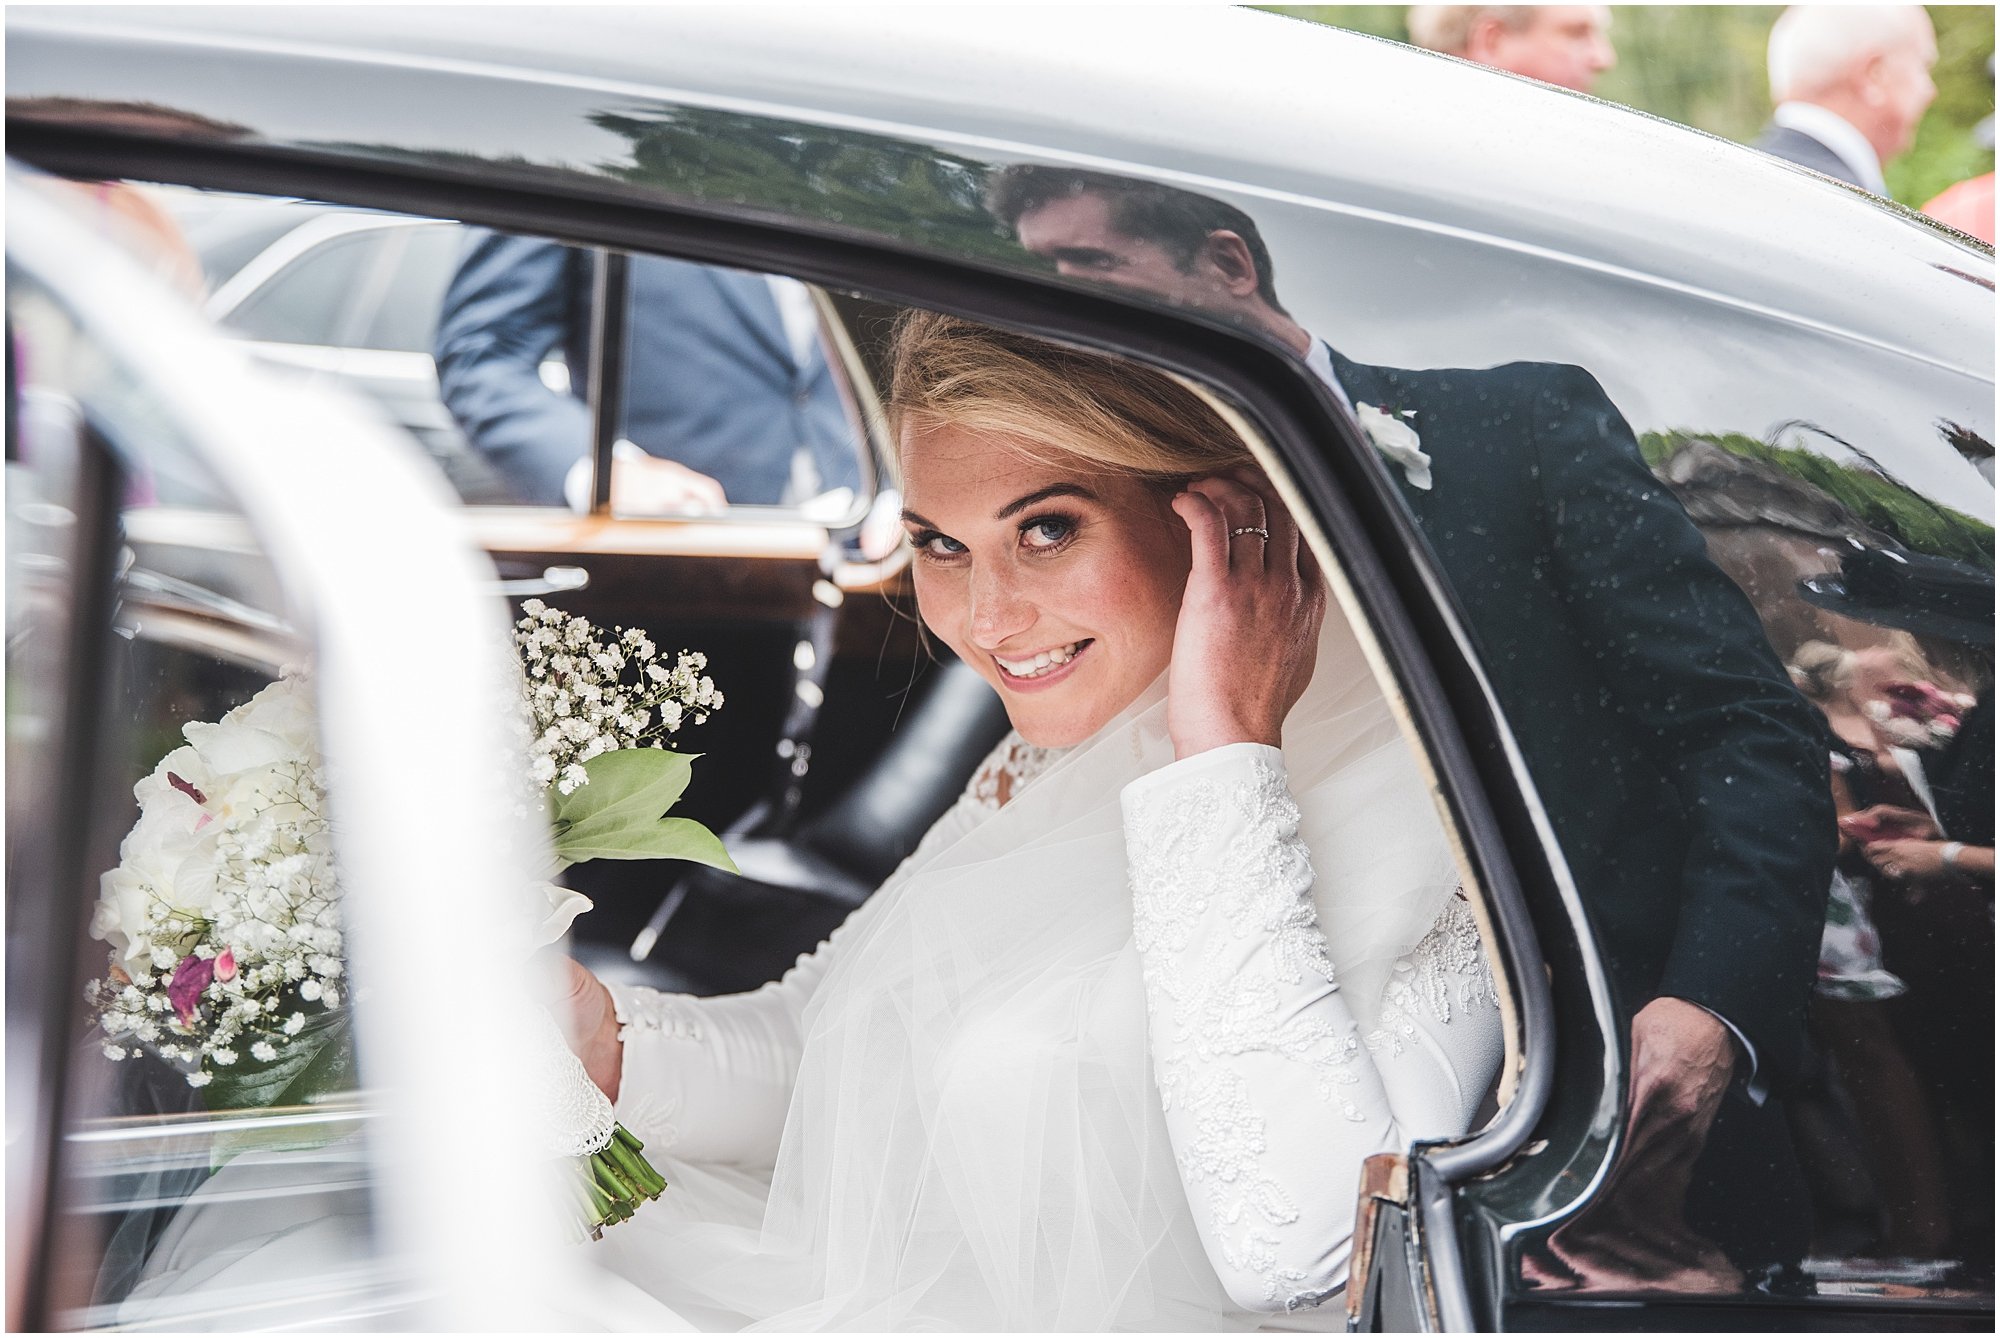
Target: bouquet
x=223 y=915
x=1916 y=714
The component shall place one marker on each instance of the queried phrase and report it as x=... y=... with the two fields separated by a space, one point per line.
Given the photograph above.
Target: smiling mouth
x=1046 y=662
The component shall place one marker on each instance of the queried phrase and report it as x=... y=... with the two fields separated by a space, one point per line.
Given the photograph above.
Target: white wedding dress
x=1106 y=1052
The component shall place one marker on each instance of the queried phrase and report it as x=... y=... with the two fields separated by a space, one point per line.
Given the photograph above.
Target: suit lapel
x=1363 y=384
x=1380 y=387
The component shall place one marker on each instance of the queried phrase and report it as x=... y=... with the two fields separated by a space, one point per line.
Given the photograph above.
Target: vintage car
x=1806 y=375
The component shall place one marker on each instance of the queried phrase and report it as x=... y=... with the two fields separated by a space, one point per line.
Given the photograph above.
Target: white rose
x=1396 y=439
x=231 y=749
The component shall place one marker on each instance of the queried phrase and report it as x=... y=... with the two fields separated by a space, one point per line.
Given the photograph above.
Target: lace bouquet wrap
x=223 y=917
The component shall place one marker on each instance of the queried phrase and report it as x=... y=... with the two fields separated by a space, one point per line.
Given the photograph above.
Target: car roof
x=1254 y=104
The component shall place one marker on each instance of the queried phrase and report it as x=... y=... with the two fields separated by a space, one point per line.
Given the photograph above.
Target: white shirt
x=1840 y=137
x=1319 y=357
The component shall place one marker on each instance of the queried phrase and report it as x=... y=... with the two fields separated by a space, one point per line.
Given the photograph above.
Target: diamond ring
x=1257 y=530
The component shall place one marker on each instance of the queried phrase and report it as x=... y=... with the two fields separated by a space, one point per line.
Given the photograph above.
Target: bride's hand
x=1249 y=623
x=589 y=1021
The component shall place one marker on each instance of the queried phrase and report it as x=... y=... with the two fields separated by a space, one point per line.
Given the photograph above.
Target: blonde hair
x=1057 y=405
x=1819 y=669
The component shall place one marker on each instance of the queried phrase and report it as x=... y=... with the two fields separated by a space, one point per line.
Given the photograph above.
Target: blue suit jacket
x=1796 y=146
x=710 y=377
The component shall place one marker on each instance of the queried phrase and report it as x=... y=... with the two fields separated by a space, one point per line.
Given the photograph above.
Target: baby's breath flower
x=199 y=1078
x=592 y=693
x=263 y=1051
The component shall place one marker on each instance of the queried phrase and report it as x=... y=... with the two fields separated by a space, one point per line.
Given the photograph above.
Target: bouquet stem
x=612 y=1182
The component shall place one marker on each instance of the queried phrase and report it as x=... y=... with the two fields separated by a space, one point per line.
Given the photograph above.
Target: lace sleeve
x=1272 y=1094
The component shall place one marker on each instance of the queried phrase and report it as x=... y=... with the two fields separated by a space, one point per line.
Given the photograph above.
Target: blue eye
x=935 y=546
x=1048 y=531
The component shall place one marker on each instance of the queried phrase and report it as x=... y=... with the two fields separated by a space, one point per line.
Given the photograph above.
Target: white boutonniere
x=1396 y=439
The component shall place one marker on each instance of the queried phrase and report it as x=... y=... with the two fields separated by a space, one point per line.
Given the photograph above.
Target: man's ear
x=1871 y=78
x=1230 y=255
x=1482 y=39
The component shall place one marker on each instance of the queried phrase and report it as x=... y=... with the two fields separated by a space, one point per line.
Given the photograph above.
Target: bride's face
x=1061 y=588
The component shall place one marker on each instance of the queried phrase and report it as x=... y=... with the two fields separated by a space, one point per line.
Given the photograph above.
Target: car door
x=163 y=567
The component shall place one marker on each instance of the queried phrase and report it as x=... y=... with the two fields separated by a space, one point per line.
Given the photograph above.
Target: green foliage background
x=1703 y=65
x=1870 y=498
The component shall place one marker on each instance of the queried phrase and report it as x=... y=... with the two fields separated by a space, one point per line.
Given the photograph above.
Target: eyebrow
x=1019 y=504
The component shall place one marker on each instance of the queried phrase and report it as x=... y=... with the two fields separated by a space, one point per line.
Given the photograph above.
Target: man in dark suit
x=728 y=398
x=1850 y=82
x=1686 y=779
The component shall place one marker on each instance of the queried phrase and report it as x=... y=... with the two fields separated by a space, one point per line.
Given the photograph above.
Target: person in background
x=1891 y=1107
x=1565 y=45
x=1968 y=206
x=1850 y=84
x=728 y=399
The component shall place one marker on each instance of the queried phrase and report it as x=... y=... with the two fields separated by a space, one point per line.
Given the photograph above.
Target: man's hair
x=1178 y=220
x=1813 y=46
x=1448 y=28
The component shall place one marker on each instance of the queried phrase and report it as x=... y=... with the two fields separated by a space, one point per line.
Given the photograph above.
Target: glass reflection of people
x=1891 y=1108
x=1933 y=861
x=1851 y=82
x=1204 y=865
x=1565 y=45
x=728 y=397
x=1685 y=776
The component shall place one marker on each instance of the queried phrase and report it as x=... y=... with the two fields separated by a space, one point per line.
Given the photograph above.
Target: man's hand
x=646 y=485
x=590 y=1023
x=1682 y=1059
x=1634 y=1236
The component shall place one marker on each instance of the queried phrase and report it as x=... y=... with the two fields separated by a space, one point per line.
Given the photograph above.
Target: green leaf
x=309 y=1065
x=316 y=1063
x=619 y=814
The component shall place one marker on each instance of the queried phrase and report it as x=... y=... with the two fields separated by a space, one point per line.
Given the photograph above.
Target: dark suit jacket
x=710 y=379
x=1685 y=778
x=1796 y=146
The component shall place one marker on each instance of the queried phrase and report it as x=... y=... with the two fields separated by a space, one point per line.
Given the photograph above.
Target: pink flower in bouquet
x=191 y=977
x=1914 y=714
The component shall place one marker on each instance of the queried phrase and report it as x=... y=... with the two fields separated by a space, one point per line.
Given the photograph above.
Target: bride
x=1108 y=1050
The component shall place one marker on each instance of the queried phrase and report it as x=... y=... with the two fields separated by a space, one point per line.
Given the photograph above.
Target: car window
x=404 y=318
x=309 y=300
x=1735 y=607
x=212 y=1105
